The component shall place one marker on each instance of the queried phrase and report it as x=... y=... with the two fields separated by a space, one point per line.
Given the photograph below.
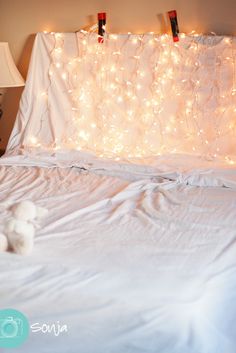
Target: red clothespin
x=101 y=26
x=174 y=25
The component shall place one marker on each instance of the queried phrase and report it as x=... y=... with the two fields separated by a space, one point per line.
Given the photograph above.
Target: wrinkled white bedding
x=135 y=256
x=131 y=265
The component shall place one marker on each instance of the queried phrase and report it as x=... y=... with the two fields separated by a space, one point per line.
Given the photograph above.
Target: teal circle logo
x=14 y=328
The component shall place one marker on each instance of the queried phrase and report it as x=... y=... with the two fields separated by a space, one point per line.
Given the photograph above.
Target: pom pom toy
x=20 y=236
x=3 y=243
x=27 y=211
x=20 y=228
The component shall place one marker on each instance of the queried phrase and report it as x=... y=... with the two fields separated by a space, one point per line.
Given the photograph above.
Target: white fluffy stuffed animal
x=19 y=230
x=3 y=243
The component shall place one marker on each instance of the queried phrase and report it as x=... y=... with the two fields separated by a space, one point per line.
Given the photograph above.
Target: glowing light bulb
x=64 y=75
x=33 y=140
x=227 y=40
x=84 y=135
x=229 y=160
x=114 y=36
x=168 y=128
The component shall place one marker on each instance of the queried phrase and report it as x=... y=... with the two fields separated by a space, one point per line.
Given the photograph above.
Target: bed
x=137 y=254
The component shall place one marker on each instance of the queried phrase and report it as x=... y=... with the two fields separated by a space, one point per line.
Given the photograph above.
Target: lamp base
x=1 y=96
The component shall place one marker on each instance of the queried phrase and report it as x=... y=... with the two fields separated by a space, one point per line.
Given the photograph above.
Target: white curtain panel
x=131 y=96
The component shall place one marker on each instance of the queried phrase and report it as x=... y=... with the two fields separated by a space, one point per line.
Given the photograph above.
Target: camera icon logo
x=11 y=327
x=14 y=328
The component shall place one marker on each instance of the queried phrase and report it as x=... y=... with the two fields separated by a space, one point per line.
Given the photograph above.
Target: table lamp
x=9 y=75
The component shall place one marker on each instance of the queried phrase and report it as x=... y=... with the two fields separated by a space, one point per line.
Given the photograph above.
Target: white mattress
x=129 y=265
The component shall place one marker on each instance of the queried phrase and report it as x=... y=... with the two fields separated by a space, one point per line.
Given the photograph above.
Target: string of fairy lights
x=136 y=96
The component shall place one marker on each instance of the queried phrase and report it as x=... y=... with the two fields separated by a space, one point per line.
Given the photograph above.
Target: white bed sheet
x=130 y=265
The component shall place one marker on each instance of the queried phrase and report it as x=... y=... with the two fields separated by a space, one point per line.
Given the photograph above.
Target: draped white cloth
x=185 y=106
x=130 y=97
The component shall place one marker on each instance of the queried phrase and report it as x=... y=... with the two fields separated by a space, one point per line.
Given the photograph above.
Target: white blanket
x=130 y=266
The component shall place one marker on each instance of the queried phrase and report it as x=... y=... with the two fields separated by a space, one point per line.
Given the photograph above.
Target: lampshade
x=9 y=75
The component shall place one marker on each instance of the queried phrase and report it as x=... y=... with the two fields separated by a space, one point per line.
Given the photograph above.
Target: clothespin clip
x=101 y=26
x=174 y=25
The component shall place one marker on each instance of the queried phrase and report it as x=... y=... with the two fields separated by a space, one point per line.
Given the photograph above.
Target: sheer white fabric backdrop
x=132 y=96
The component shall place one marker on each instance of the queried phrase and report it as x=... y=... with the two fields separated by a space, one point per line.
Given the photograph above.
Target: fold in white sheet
x=188 y=169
